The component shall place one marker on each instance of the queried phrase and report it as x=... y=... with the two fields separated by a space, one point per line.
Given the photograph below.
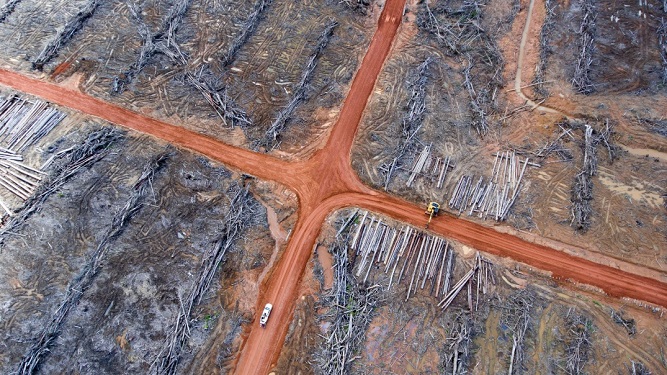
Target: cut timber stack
x=408 y=253
x=22 y=124
x=496 y=196
x=430 y=167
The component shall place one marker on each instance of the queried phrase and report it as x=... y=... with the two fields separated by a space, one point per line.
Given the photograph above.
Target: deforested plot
x=124 y=244
x=68 y=31
x=520 y=322
x=210 y=66
x=615 y=48
x=438 y=98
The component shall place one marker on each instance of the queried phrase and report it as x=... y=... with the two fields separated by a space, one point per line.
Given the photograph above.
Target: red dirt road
x=327 y=182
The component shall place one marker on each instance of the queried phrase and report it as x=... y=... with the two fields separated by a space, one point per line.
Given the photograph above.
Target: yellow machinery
x=431 y=210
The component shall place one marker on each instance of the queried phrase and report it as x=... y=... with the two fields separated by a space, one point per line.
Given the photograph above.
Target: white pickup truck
x=265 y=315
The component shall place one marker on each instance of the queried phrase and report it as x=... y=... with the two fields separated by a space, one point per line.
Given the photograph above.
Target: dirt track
x=326 y=182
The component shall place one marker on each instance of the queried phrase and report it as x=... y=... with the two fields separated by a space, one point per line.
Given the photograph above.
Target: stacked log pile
x=419 y=258
x=430 y=167
x=496 y=196
x=22 y=124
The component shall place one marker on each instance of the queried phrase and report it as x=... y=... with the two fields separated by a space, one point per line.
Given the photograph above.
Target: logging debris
x=582 y=190
x=545 y=48
x=629 y=324
x=273 y=133
x=41 y=346
x=638 y=368
x=240 y=215
x=658 y=126
x=247 y=29
x=8 y=9
x=577 y=341
x=460 y=33
x=158 y=42
x=581 y=80
x=349 y=310
x=459 y=343
x=65 y=35
x=662 y=42
x=362 y=6
x=93 y=149
x=412 y=120
x=518 y=317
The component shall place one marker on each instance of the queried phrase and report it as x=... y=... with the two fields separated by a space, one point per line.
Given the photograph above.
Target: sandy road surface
x=326 y=182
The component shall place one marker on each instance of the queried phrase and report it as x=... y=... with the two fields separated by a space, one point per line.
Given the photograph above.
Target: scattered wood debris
x=271 y=137
x=247 y=29
x=242 y=210
x=349 y=309
x=627 y=323
x=576 y=340
x=460 y=33
x=638 y=368
x=662 y=42
x=412 y=120
x=581 y=81
x=545 y=48
x=63 y=36
x=459 y=344
x=362 y=6
x=42 y=344
x=8 y=9
x=518 y=317
x=159 y=41
x=93 y=149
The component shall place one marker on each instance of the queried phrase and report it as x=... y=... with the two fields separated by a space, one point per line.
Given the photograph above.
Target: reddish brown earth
x=325 y=183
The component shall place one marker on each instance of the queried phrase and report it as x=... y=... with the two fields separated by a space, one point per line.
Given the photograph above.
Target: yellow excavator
x=431 y=210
